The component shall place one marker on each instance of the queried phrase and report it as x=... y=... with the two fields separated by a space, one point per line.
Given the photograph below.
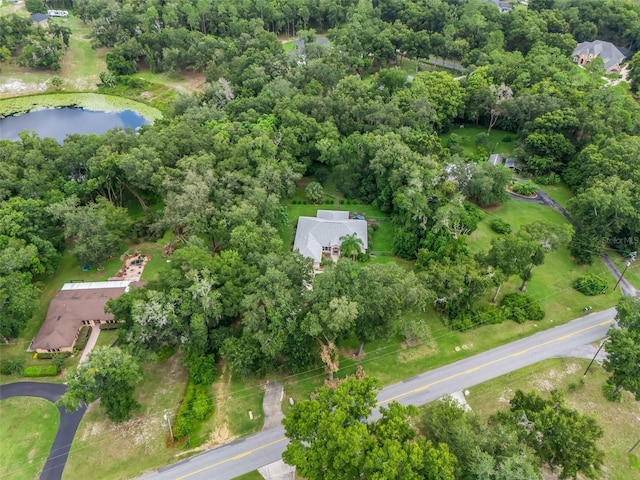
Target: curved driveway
x=237 y=458
x=69 y=422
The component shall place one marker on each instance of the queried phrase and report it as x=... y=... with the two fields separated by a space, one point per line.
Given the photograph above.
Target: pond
x=60 y=122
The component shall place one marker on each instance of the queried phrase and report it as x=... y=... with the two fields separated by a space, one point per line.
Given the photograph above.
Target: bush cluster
x=525 y=188
x=83 y=338
x=500 y=226
x=590 y=284
x=520 y=307
x=197 y=406
x=11 y=366
x=550 y=179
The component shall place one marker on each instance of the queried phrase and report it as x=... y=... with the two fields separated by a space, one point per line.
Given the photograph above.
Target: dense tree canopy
x=109 y=374
x=331 y=439
x=623 y=348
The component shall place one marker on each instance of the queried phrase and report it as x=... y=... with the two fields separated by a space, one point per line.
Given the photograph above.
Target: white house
x=320 y=235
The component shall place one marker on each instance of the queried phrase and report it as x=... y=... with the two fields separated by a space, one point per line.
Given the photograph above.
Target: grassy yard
x=561 y=193
x=255 y=475
x=632 y=275
x=552 y=282
x=245 y=395
x=499 y=141
x=27 y=430
x=620 y=421
x=128 y=449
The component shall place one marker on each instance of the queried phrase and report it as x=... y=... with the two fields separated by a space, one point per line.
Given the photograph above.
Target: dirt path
x=222 y=393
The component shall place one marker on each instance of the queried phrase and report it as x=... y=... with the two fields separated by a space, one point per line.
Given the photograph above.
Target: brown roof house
x=76 y=305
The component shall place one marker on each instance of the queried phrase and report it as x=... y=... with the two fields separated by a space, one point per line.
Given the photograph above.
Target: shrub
x=328 y=201
x=500 y=226
x=58 y=361
x=610 y=393
x=83 y=338
x=165 y=352
x=550 y=179
x=197 y=406
x=590 y=284
x=12 y=366
x=520 y=307
x=314 y=192
x=525 y=188
x=40 y=371
x=482 y=139
x=493 y=316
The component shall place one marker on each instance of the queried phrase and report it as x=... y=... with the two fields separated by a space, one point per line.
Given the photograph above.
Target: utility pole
x=166 y=417
x=594 y=357
x=631 y=449
x=632 y=257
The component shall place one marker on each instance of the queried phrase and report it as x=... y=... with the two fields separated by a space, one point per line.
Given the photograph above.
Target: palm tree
x=351 y=245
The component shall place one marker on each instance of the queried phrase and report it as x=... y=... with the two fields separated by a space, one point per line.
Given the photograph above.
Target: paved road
x=229 y=461
x=69 y=422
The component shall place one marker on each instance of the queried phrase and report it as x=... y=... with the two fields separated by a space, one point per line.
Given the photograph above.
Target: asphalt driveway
x=69 y=422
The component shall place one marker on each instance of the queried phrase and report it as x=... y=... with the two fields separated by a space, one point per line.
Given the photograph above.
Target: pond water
x=60 y=122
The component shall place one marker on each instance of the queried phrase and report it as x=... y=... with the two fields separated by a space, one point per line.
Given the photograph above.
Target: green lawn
x=27 y=429
x=107 y=337
x=561 y=193
x=255 y=475
x=552 y=282
x=289 y=46
x=128 y=449
x=499 y=141
x=245 y=395
x=618 y=420
x=632 y=275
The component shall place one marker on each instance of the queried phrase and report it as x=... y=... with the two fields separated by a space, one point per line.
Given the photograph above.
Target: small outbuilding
x=496 y=159
x=40 y=19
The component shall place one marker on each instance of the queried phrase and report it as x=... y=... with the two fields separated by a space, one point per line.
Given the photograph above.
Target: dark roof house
x=611 y=55
x=76 y=305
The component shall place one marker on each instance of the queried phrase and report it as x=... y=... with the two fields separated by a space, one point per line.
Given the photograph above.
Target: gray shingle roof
x=495 y=159
x=609 y=53
x=39 y=17
x=325 y=230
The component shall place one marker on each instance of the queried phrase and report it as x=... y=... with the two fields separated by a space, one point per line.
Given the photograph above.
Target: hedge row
x=197 y=406
x=40 y=371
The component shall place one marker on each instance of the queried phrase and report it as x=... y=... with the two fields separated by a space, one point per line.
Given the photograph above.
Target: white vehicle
x=57 y=13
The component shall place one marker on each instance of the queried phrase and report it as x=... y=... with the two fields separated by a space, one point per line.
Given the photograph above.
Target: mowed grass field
x=499 y=141
x=27 y=429
x=620 y=421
